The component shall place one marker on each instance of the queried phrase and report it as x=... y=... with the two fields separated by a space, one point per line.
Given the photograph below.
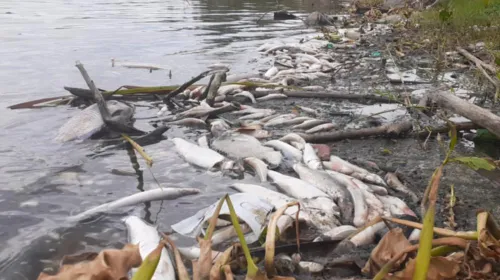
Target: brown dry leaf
x=391 y=244
x=440 y=268
x=489 y=246
x=109 y=264
x=205 y=260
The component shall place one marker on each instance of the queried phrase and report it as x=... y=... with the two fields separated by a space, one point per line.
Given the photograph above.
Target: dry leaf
x=391 y=244
x=109 y=264
x=489 y=246
x=440 y=268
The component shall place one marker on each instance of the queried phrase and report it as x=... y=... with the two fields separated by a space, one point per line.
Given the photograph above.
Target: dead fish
x=271 y=72
x=315 y=67
x=199 y=111
x=246 y=109
x=272 y=96
x=89 y=121
x=293 y=121
x=284 y=63
x=294 y=137
x=313 y=88
x=229 y=89
x=238 y=77
x=311 y=267
x=193 y=253
x=367 y=236
x=218 y=127
x=203 y=141
x=239 y=146
x=272 y=197
x=309 y=124
x=259 y=133
x=376 y=189
x=358 y=199
x=258 y=166
x=277 y=121
x=290 y=153
x=150 y=67
x=191 y=122
x=248 y=95
x=397 y=206
x=374 y=204
x=393 y=182
x=141 y=197
x=295 y=187
x=338 y=233
x=227 y=233
x=325 y=183
x=322 y=150
x=147 y=238
x=311 y=159
x=196 y=155
x=257 y=115
x=307 y=58
x=343 y=166
x=268 y=118
x=321 y=127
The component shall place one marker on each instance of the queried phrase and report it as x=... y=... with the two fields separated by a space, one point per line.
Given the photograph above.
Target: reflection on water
x=43 y=182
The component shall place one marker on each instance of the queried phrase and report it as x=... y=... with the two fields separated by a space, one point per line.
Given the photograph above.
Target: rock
x=392 y=19
x=284 y=15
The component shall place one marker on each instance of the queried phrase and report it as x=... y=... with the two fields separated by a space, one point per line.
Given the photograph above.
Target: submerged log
x=476 y=114
x=390 y=130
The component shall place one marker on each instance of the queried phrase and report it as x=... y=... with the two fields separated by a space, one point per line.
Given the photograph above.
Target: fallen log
x=390 y=130
x=446 y=128
x=476 y=114
x=477 y=61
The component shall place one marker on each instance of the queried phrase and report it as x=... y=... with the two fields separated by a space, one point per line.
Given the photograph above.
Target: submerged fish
x=324 y=182
x=196 y=155
x=89 y=121
x=292 y=121
x=147 y=238
x=239 y=146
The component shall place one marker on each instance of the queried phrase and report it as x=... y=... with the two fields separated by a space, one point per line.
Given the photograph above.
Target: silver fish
x=228 y=89
x=271 y=72
x=149 y=195
x=324 y=210
x=309 y=124
x=311 y=159
x=247 y=94
x=338 y=233
x=307 y=58
x=345 y=167
x=325 y=183
x=294 y=137
x=218 y=127
x=313 y=88
x=367 y=236
x=393 y=182
x=290 y=153
x=89 y=121
x=268 y=118
x=376 y=189
x=238 y=77
x=203 y=141
x=227 y=233
x=321 y=127
x=259 y=167
x=196 y=155
x=192 y=122
x=257 y=115
x=147 y=238
x=396 y=206
x=277 y=121
x=358 y=199
x=272 y=96
x=239 y=146
x=296 y=120
x=375 y=205
x=311 y=267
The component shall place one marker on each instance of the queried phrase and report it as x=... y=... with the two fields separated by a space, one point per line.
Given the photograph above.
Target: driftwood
x=474 y=113
x=112 y=123
x=477 y=61
x=390 y=130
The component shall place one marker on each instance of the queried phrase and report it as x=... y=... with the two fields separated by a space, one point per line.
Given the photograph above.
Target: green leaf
x=476 y=163
x=149 y=264
x=445 y=15
x=453 y=138
x=485 y=135
x=425 y=245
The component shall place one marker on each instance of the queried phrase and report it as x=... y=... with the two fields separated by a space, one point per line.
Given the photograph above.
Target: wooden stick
x=477 y=61
x=391 y=130
x=474 y=113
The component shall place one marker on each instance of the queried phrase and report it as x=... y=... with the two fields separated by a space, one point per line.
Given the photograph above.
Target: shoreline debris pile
x=255 y=124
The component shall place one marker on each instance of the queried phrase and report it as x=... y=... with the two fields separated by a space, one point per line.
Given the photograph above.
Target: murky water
x=43 y=182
